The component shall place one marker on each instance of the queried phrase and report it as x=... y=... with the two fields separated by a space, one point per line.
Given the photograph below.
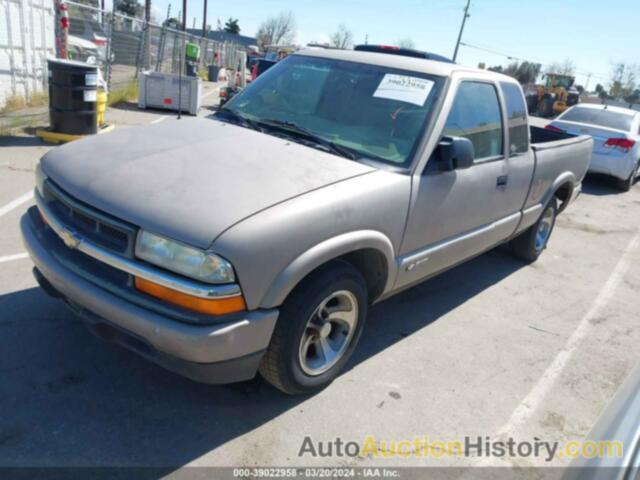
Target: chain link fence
x=124 y=46
x=33 y=30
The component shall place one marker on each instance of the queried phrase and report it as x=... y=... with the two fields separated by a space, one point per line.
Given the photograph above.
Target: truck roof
x=401 y=62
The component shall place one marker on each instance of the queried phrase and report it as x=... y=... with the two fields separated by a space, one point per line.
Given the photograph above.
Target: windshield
x=377 y=112
x=600 y=117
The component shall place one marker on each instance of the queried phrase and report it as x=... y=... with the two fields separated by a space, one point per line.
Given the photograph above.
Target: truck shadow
x=70 y=398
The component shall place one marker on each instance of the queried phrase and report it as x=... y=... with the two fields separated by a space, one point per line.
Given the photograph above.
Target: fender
x=564 y=178
x=324 y=252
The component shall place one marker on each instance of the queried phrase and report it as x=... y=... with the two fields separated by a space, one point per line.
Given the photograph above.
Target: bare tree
x=277 y=30
x=567 y=67
x=342 y=38
x=525 y=72
x=623 y=80
x=406 y=43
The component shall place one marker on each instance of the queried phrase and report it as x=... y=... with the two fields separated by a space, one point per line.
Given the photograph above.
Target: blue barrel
x=73 y=89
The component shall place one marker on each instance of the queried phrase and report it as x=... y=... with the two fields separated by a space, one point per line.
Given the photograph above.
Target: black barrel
x=213 y=73
x=191 y=69
x=72 y=97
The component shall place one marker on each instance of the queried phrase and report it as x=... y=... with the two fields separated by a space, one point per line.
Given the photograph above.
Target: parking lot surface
x=491 y=348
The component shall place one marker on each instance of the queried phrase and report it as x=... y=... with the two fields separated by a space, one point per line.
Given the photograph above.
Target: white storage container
x=161 y=90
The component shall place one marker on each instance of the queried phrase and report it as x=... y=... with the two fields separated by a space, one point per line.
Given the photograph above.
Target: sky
x=593 y=34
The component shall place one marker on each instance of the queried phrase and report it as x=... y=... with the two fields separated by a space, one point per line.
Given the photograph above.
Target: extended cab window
x=516 y=118
x=475 y=114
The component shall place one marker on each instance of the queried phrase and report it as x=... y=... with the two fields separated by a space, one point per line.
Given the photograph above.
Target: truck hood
x=191 y=179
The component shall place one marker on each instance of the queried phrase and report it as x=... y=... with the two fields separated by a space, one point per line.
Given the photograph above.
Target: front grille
x=97 y=227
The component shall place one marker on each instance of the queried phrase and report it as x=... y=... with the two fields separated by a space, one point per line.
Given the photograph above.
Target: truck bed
x=560 y=159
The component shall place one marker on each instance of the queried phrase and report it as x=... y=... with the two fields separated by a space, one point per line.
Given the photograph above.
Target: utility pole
x=204 y=20
x=464 y=20
x=184 y=15
x=146 y=46
x=586 y=85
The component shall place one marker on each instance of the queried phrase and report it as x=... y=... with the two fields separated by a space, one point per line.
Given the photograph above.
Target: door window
x=475 y=114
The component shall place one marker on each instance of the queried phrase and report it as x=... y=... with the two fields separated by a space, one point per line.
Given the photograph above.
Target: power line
x=520 y=59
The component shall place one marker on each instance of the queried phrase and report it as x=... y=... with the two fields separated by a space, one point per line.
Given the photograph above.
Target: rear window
x=517 y=118
x=599 y=117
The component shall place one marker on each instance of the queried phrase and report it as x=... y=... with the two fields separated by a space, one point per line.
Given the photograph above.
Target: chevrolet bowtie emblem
x=70 y=238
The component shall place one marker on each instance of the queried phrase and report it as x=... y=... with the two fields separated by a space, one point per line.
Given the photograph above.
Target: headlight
x=183 y=259
x=40 y=178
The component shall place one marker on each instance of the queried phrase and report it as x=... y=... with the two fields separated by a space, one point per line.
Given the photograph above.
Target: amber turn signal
x=208 y=306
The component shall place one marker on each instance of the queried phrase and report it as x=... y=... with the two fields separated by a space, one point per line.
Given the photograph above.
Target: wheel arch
x=369 y=251
x=562 y=189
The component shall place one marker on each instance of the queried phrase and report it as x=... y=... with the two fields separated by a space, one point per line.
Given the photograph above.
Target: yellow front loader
x=554 y=97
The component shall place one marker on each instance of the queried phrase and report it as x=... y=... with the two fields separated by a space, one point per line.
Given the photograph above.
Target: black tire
x=524 y=245
x=626 y=185
x=281 y=364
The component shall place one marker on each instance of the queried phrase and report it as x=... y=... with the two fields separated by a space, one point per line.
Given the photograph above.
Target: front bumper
x=220 y=353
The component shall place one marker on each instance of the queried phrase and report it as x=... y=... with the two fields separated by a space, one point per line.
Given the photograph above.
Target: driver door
x=457 y=214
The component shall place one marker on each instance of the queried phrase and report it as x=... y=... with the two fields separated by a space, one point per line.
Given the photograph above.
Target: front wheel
x=531 y=243
x=317 y=330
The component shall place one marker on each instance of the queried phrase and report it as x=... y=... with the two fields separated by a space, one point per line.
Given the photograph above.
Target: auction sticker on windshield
x=404 y=88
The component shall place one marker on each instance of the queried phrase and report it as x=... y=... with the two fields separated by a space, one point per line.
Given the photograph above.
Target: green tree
x=623 y=80
x=406 y=43
x=232 y=26
x=633 y=98
x=525 y=72
x=130 y=8
x=173 y=22
x=602 y=93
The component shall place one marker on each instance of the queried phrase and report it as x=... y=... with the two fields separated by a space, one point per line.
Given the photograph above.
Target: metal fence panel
x=121 y=46
x=26 y=39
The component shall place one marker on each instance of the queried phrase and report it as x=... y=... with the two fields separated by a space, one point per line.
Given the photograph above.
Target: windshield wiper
x=242 y=120
x=291 y=127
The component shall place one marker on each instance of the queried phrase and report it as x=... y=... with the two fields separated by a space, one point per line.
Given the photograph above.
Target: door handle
x=501 y=181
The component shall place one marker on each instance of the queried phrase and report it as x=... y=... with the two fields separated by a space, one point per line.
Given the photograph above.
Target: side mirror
x=454 y=153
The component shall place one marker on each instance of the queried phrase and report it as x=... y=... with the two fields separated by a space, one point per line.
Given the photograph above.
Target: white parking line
x=17 y=256
x=160 y=119
x=16 y=203
x=215 y=90
x=535 y=397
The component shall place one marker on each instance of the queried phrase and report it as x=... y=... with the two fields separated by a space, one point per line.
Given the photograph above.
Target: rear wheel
x=626 y=185
x=317 y=330
x=531 y=243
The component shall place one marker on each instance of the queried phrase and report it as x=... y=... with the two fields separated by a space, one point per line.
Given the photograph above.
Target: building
x=26 y=39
